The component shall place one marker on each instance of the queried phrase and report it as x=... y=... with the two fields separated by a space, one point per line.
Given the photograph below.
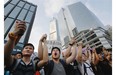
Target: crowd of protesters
x=76 y=60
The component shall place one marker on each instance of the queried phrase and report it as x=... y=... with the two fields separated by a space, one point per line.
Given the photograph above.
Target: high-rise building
x=18 y=10
x=54 y=33
x=76 y=18
x=109 y=29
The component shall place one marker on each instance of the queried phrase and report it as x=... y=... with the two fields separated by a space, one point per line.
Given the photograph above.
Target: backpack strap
x=62 y=62
x=85 y=70
x=17 y=63
x=49 y=67
x=76 y=67
x=90 y=67
x=64 y=65
x=34 y=65
x=19 y=60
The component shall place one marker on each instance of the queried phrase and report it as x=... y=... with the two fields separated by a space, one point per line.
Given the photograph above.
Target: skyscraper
x=19 y=10
x=74 y=19
x=54 y=33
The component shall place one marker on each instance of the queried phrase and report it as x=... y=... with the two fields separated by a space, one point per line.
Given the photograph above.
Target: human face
x=109 y=56
x=27 y=51
x=100 y=57
x=84 y=57
x=55 y=54
x=18 y=56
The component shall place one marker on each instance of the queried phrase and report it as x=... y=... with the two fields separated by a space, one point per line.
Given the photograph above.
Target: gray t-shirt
x=58 y=69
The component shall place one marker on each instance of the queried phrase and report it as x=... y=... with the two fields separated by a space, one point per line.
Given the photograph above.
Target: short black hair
x=19 y=53
x=28 y=44
x=99 y=50
x=55 y=48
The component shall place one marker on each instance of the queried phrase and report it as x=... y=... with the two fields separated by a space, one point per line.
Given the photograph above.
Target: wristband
x=12 y=36
x=70 y=44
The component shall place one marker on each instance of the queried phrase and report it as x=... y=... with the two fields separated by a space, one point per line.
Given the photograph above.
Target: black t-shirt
x=105 y=67
x=98 y=70
x=23 y=69
x=67 y=67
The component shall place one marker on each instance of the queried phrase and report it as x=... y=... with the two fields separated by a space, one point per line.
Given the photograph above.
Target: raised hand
x=93 y=50
x=73 y=41
x=80 y=44
x=43 y=38
x=20 y=28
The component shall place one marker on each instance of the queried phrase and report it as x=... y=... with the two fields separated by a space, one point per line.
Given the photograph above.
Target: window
x=26 y=6
x=14 y=13
x=53 y=36
x=21 y=3
x=98 y=44
x=12 y=28
x=29 y=16
x=7 y=24
x=32 y=8
x=93 y=36
x=96 y=41
x=23 y=37
x=8 y=8
x=22 y=14
x=14 y=1
x=83 y=41
x=66 y=39
x=20 y=45
x=74 y=31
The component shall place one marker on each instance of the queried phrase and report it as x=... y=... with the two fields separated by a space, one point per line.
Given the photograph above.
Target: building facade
x=18 y=10
x=97 y=37
x=76 y=19
x=54 y=33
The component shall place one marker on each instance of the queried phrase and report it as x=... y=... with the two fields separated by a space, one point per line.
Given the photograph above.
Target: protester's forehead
x=55 y=49
x=28 y=46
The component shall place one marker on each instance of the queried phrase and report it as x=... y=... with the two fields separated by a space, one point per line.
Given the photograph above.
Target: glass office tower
x=18 y=10
x=74 y=19
x=54 y=33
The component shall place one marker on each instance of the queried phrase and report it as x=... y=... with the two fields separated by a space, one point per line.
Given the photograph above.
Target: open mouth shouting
x=55 y=54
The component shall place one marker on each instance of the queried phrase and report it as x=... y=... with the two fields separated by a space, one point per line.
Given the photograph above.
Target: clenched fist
x=20 y=28
x=44 y=37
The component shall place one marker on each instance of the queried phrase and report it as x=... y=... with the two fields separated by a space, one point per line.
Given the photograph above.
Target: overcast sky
x=49 y=8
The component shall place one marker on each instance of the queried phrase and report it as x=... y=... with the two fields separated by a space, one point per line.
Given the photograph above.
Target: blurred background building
x=76 y=20
x=18 y=10
x=54 y=33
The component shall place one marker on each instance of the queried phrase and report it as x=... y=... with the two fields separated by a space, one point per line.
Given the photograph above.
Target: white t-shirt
x=89 y=70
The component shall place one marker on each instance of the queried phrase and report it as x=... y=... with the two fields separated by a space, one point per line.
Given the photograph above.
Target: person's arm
x=79 y=53
x=88 y=53
x=95 y=57
x=105 y=52
x=73 y=55
x=8 y=47
x=21 y=27
x=40 y=48
x=68 y=50
x=45 y=54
